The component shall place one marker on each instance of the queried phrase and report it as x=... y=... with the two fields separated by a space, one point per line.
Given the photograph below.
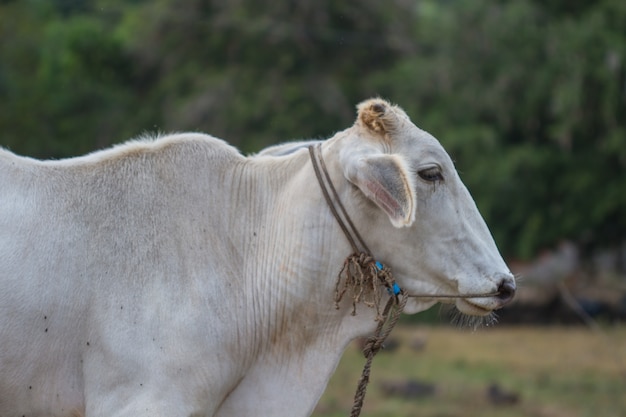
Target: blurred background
x=528 y=97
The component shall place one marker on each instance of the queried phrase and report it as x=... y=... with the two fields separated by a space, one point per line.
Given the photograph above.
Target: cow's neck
x=298 y=248
x=294 y=251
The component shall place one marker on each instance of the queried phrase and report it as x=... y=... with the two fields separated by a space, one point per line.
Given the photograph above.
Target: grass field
x=554 y=372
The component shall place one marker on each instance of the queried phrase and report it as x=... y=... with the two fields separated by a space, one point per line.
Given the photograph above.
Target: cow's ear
x=385 y=180
x=377 y=116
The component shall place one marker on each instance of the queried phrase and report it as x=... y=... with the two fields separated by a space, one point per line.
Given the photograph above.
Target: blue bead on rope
x=396 y=288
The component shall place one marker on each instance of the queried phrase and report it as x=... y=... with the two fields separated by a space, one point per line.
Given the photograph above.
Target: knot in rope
x=364 y=278
x=372 y=346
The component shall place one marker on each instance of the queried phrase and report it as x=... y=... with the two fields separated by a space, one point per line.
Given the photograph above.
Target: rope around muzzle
x=366 y=279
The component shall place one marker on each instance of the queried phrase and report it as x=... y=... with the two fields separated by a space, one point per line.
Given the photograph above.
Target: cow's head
x=421 y=219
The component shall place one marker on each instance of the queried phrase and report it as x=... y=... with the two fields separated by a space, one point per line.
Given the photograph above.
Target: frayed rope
x=364 y=279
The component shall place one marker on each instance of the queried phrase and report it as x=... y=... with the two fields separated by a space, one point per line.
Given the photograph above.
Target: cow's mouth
x=467 y=314
x=473 y=308
x=485 y=306
x=482 y=306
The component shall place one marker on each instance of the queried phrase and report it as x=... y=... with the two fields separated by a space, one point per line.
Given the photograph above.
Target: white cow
x=176 y=277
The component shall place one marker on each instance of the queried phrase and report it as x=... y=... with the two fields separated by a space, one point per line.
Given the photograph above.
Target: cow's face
x=424 y=223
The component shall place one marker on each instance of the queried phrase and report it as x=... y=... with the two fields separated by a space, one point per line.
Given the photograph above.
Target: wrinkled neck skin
x=291 y=258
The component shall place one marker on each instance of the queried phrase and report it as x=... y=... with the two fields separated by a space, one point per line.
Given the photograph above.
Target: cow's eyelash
x=430 y=174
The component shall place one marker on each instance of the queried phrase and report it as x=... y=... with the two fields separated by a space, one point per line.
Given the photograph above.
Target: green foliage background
x=528 y=96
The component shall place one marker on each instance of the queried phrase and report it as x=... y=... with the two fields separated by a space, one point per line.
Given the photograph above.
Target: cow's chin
x=467 y=307
x=467 y=314
x=463 y=313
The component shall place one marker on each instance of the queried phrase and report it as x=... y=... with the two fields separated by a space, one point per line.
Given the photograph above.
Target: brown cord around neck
x=315 y=151
x=363 y=277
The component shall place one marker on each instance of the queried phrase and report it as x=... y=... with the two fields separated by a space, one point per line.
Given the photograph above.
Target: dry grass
x=555 y=371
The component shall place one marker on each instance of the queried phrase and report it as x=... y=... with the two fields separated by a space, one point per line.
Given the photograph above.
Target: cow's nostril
x=506 y=291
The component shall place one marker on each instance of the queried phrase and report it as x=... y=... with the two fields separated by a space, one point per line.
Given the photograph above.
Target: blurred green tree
x=65 y=83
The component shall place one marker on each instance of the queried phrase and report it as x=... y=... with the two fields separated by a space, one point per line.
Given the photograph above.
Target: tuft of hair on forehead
x=380 y=116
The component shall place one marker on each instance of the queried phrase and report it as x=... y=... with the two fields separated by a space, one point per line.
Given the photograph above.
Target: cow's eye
x=431 y=174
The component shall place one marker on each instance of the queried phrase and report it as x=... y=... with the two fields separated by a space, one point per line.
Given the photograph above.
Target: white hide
x=175 y=277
